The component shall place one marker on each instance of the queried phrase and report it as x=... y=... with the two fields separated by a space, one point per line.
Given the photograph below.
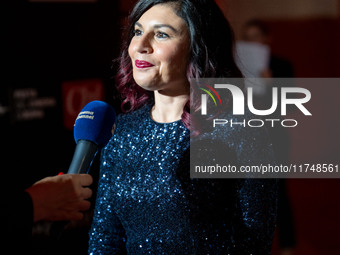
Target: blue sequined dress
x=147 y=204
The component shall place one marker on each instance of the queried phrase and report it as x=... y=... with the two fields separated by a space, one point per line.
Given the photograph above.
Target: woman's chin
x=147 y=84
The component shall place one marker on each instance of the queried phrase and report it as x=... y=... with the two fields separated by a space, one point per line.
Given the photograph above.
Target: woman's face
x=159 y=50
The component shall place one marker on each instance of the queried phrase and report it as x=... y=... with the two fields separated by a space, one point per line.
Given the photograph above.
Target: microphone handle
x=83 y=156
x=82 y=159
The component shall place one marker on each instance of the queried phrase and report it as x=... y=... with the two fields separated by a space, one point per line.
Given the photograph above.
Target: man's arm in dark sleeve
x=18 y=221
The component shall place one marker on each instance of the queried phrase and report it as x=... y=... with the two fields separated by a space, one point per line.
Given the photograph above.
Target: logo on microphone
x=86 y=115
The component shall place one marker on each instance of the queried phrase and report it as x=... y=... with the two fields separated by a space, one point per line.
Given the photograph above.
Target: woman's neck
x=169 y=108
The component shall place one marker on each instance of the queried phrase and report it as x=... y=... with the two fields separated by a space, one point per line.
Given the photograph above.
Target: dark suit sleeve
x=18 y=221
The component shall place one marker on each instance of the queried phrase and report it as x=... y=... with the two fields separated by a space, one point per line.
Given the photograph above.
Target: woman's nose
x=144 y=45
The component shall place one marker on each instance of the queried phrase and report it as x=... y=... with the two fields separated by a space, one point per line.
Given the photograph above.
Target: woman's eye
x=162 y=35
x=137 y=32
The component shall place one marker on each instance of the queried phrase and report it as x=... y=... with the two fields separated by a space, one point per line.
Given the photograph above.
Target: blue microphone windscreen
x=94 y=123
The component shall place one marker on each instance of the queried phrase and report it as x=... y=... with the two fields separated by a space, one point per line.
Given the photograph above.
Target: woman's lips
x=142 y=64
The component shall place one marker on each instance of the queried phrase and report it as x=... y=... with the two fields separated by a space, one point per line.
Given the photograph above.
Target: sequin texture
x=147 y=203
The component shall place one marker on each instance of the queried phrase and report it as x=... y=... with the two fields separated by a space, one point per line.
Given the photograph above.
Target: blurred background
x=57 y=56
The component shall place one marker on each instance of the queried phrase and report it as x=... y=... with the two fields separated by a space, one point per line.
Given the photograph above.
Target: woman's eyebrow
x=138 y=24
x=165 y=25
x=158 y=26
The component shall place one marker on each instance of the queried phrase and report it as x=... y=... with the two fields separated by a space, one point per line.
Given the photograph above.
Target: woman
x=146 y=202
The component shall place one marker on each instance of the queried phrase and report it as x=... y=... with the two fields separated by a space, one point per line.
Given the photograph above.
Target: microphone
x=93 y=129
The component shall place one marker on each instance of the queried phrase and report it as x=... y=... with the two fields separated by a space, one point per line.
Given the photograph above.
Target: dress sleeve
x=258 y=209
x=107 y=235
x=257 y=198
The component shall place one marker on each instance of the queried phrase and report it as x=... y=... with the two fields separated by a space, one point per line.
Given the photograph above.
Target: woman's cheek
x=131 y=49
x=161 y=54
x=168 y=56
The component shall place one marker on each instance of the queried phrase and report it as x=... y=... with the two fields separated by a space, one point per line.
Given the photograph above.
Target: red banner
x=76 y=94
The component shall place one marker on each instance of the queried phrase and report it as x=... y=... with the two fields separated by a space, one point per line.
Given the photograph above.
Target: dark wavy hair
x=211 y=49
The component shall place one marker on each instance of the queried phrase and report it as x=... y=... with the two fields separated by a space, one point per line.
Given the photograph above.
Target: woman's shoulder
x=133 y=118
x=137 y=115
x=127 y=125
